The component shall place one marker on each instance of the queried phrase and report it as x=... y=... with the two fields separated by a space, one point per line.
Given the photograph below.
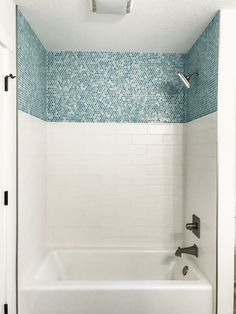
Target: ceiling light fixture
x=120 y=7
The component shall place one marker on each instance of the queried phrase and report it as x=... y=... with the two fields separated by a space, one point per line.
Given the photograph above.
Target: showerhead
x=186 y=78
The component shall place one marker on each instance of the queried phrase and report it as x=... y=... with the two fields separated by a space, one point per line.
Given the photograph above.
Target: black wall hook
x=6 y=80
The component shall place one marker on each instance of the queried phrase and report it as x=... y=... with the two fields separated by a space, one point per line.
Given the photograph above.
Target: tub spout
x=192 y=250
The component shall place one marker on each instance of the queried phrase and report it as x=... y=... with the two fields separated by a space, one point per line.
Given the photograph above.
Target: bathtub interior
x=115 y=265
x=115 y=281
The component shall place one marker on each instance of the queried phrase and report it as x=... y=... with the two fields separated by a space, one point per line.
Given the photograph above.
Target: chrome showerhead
x=186 y=78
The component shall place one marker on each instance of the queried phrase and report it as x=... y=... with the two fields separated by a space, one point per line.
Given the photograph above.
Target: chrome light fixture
x=186 y=78
x=120 y=7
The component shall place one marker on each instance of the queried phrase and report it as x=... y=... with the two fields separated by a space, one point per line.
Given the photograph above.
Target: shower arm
x=194 y=73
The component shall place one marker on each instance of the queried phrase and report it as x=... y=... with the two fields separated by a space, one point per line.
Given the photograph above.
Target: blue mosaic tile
x=114 y=87
x=31 y=70
x=203 y=56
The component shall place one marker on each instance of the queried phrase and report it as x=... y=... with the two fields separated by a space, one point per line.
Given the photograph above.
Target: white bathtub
x=115 y=282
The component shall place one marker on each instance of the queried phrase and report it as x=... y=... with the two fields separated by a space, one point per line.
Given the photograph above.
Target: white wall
x=114 y=184
x=32 y=191
x=7 y=24
x=200 y=189
x=226 y=160
x=8 y=157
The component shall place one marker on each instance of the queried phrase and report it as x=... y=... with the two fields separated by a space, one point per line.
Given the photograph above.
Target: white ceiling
x=152 y=26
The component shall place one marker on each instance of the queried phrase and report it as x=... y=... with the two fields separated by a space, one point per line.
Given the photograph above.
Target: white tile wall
x=114 y=184
x=200 y=188
x=32 y=191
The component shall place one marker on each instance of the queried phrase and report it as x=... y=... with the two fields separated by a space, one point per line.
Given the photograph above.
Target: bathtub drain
x=185 y=270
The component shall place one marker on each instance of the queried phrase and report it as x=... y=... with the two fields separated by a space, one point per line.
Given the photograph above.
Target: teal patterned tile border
x=116 y=87
x=31 y=71
x=203 y=56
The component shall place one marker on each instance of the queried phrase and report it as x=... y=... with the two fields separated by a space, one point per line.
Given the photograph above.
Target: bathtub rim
x=31 y=283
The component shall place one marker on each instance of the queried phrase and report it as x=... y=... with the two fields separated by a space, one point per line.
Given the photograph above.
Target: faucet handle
x=190 y=226
x=194 y=226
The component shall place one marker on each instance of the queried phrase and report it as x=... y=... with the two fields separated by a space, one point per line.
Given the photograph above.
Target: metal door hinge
x=5 y=198
x=6 y=80
x=5 y=308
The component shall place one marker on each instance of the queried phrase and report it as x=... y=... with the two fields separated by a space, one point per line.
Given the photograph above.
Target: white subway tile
x=172 y=139
x=114 y=184
x=165 y=128
x=148 y=139
x=200 y=188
